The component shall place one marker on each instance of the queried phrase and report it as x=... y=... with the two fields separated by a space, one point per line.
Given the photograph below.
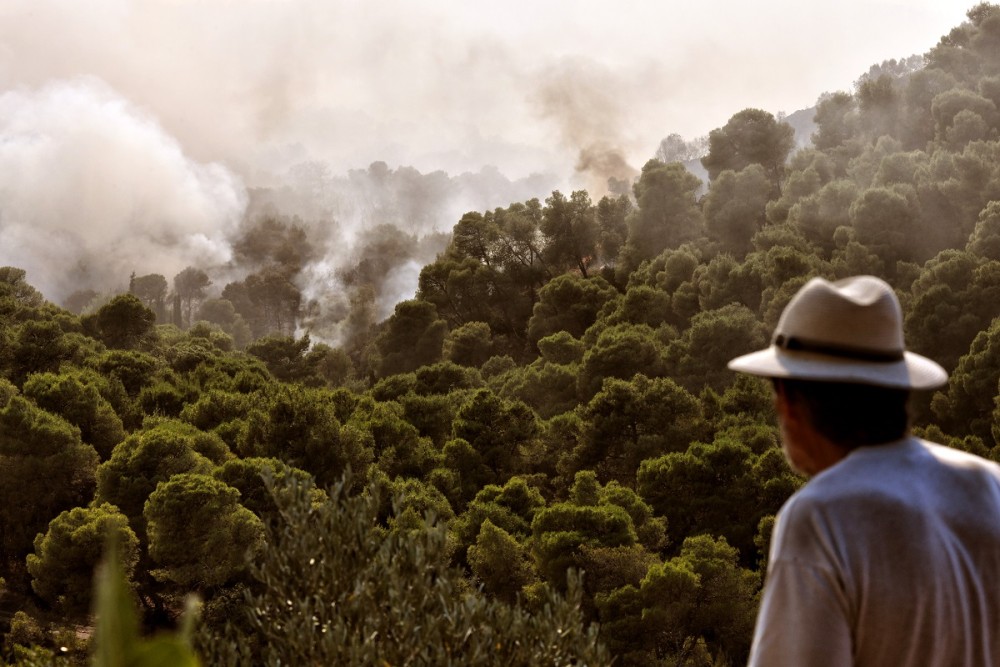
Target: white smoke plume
x=93 y=189
x=387 y=224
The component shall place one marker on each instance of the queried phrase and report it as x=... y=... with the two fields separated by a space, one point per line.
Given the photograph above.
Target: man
x=890 y=554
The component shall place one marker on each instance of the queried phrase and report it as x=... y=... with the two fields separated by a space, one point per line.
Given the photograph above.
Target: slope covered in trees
x=554 y=399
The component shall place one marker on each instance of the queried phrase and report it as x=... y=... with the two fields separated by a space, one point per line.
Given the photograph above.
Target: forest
x=539 y=459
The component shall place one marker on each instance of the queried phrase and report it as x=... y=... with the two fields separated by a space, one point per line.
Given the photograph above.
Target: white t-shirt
x=889 y=558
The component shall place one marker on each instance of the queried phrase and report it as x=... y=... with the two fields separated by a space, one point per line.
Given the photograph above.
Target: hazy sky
x=454 y=84
x=131 y=130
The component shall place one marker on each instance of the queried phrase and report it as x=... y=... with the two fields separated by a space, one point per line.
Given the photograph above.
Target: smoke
x=586 y=103
x=602 y=161
x=153 y=132
x=373 y=230
x=93 y=189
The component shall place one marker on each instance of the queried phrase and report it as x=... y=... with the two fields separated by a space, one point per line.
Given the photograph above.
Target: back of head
x=850 y=414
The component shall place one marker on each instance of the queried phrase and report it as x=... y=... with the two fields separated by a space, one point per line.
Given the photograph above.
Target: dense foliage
x=553 y=400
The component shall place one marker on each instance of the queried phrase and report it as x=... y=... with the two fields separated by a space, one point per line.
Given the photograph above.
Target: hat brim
x=912 y=372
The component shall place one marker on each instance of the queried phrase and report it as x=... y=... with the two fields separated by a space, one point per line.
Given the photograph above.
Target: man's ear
x=780 y=398
x=783 y=404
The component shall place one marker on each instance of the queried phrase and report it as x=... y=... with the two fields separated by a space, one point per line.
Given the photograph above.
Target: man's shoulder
x=896 y=474
x=864 y=474
x=960 y=465
x=878 y=464
x=957 y=457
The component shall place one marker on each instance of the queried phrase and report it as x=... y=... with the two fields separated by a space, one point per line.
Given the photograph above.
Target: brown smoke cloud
x=586 y=103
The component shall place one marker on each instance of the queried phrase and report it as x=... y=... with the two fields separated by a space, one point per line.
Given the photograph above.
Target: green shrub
x=335 y=588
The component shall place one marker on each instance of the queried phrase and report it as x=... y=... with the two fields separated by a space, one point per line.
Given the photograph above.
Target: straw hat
x=846 y=331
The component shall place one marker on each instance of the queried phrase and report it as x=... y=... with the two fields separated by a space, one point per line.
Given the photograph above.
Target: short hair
x=849 y=414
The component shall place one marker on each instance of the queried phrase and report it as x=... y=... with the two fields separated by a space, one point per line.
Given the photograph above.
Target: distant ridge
x=804 y=125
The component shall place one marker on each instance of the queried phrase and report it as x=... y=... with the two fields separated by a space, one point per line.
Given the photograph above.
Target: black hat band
x=795 y=344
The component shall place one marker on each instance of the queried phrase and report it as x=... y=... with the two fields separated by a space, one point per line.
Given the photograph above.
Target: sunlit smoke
x=93 y=189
